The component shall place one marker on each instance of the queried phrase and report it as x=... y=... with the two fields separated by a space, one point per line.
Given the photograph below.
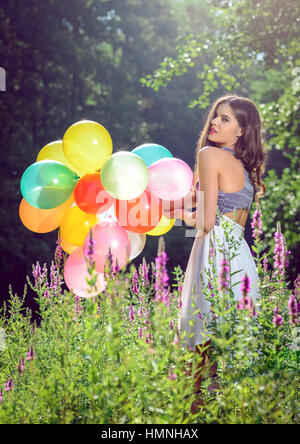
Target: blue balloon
x=151 y=152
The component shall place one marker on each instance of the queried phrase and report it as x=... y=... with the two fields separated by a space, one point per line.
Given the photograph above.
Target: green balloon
x=124 y=175
x=47 y=184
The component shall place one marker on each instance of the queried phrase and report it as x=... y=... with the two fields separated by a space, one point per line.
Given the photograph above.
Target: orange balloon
x=43 y=221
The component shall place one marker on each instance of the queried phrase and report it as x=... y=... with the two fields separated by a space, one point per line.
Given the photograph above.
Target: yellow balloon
x=76 y=225
x=163 y=226
x=68 y=248
x=87 y=145
x=54 y=151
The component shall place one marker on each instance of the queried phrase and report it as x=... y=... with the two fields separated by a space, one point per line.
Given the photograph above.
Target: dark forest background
x=147 y=71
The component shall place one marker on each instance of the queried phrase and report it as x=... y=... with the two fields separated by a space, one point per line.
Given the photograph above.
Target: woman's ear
x=242 y=132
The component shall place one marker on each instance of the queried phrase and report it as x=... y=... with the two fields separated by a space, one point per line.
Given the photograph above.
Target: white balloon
x=137 y=241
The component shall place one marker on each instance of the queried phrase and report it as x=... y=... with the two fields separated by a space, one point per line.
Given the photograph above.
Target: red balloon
x=141 y=214
x=90 y=196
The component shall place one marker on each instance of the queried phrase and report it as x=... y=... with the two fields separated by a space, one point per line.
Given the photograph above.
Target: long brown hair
x=249 y=147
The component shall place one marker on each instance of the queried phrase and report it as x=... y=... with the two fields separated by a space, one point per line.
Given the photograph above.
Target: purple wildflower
x=256 y=224
x=140 y=312
x=91 y=250
x=109 y=267
x=171 y=325
x=21 y=366
x=252 y=311
x=149 y=338
x=277 y=319
x=167 y=297
x=1 y=397
x=279 y=253
x=171 y=374
x=77 y=306
x=45 y=274
x=246 y=302
x=147 y=322
x=224 y=274
x=144 y=272
x=135 y=282
x=245 y=285
x=53 y=277
x=242 y=304
x=210 y=286
x=211 y=255
x=117 y=268
x=161 y=275
x=293 y=310
x=297 y=292
x=58 y=255
x=140 y=332
x=37 y=274
x=131 y=313
x=30 y=354
x=265 y=263
x=9 y=385
x=110 y=259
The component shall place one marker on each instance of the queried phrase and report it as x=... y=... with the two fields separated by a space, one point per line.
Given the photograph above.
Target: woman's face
x=224 y=130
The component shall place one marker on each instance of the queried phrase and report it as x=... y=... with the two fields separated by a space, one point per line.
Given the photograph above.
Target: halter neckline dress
x=192 y=327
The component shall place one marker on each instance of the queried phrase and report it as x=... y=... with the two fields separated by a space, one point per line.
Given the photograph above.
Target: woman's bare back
x=232 y=179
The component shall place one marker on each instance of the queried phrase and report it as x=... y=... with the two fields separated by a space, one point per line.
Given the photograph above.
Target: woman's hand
x=167 y=208
x=175 y=208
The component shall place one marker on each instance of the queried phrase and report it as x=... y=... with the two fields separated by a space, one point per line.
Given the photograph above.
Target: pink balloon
x=75 y=273
x=170 y=178
x=109 y=235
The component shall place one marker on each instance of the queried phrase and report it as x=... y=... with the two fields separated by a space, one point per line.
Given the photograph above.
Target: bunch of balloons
x=77 y=184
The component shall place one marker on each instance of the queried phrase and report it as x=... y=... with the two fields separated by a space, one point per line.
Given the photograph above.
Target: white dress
x=193 y=285
x=192 y=328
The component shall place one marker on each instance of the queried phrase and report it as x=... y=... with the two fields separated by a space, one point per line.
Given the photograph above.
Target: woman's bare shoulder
x=209 y=150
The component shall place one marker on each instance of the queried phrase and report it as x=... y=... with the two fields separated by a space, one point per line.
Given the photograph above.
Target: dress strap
x=229 y=149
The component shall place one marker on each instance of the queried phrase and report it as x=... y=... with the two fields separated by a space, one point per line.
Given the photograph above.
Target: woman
x=230 y=161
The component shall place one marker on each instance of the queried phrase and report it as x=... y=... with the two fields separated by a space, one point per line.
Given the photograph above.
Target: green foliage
x=253 y=50
x=282 y=198
x=113 y=359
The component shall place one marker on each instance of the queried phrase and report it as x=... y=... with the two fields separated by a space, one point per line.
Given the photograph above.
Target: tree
x=254 y=41
x=66 y=61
